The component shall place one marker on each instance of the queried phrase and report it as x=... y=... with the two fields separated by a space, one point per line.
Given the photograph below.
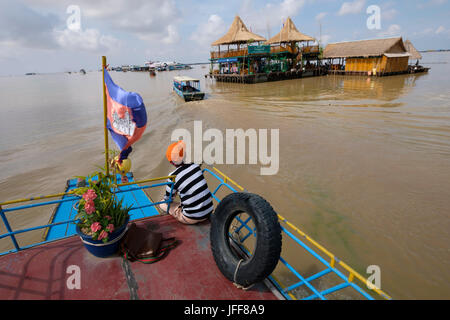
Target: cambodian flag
x=127 y=117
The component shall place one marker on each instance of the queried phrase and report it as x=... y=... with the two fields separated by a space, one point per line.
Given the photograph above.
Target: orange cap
x=176 y=152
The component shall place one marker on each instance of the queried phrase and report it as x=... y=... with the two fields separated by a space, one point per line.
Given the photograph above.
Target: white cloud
x=87 y=40
x=210 y=31
x=172 y=35
x=431 y=3
x=21 y=26
x=392 y=30
x=321 y=15
x=439 y=30
x=432 y=32
x=351 y=7
x=325 y=39
x=388 y=14
x=272 y=14
x=154 y=20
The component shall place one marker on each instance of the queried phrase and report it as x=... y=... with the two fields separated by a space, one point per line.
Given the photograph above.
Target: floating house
x=415 y=55
x=235 y=53
x=285 y=47
x=243 y=56
x=378 y=57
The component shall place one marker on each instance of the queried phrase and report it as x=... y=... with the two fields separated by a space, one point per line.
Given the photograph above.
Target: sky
x=46 y=36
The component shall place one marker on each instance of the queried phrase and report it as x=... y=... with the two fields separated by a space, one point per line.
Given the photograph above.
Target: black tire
x=268 y=242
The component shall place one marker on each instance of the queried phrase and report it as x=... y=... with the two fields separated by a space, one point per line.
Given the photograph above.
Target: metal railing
x=287 y=228
x=310 y=49
x=243 y=52
x=70 y=197
x=300 y=238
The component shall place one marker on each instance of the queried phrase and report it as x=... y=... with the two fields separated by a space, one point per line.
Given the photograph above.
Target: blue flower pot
x=104 y=249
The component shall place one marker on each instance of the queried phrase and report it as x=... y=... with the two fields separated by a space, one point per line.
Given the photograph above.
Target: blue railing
x=287 y=291
x=69 y=197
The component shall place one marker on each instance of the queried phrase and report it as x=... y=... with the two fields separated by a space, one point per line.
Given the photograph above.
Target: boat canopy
x=184 y=79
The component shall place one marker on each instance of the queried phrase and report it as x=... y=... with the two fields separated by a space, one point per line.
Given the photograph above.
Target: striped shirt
x=196 y=199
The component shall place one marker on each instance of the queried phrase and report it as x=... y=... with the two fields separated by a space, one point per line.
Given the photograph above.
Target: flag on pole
x=126 y=116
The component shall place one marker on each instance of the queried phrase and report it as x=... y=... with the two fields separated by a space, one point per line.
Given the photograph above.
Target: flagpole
x=105 y=116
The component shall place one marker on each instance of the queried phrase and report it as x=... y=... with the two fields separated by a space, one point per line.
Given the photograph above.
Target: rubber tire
x=268 y=244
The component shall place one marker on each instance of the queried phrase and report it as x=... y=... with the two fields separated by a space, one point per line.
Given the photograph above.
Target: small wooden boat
x=417 y=69
x=188 y=88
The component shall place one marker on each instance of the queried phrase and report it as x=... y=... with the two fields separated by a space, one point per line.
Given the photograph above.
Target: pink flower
x=89 y=195
x=108 y=217
x=110 y=228
x=89 y=207
x=102 y=235
x=95 y=226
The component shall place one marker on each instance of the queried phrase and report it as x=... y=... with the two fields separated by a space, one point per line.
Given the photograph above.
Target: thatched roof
x=364 y=48
x=415 y=55
x=289 y=33
x=238 y=33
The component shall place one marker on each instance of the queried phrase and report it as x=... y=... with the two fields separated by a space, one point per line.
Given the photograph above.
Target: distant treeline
x=438 y=50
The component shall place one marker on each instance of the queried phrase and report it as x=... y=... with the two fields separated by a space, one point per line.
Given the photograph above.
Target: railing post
x=171 y=195
x=8 y=228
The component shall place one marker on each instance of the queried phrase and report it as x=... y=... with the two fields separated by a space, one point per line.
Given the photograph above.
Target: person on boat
x=196 y=199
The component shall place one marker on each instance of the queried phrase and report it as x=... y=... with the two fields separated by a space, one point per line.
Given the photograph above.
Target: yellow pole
x=72 y=191
x=105 y=116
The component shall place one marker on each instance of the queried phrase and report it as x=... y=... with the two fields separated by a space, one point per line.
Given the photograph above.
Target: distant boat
x=82 y=71
x=188 y=88
x=30 y=74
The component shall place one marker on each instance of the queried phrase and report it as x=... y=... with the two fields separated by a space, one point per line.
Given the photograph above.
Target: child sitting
x=196 y=199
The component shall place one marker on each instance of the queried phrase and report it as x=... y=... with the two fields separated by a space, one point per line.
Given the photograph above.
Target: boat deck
x=188 y=272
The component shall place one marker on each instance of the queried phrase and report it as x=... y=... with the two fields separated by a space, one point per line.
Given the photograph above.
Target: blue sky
x=34 y=34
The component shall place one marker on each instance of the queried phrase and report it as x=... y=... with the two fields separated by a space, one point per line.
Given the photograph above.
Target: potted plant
x=102 y=216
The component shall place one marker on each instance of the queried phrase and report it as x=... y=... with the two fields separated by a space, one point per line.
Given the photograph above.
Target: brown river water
x=364 y=163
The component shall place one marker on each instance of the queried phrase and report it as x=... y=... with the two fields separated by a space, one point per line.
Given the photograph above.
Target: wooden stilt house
x=370 y=57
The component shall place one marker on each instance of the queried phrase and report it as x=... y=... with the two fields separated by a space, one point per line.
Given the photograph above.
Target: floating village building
x=243 y=56
x=415 y=55
x=379 y=57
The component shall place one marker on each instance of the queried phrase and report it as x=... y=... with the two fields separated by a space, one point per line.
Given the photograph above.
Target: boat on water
x=32 y=271
x=238 y=254
x=188 y=88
